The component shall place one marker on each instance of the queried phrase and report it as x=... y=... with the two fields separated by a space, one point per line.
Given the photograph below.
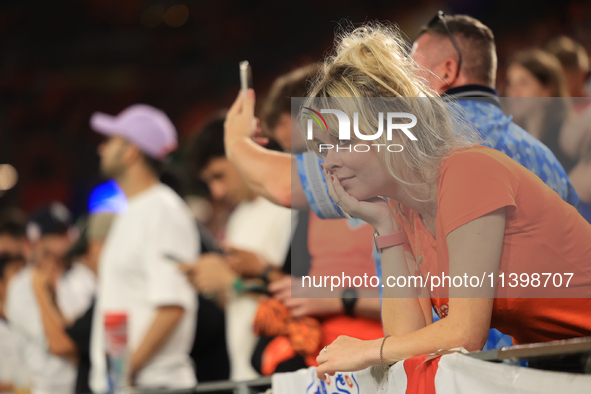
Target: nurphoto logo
x=345 y=129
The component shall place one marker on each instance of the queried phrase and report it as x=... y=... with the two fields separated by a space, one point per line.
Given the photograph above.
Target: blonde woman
x=453 y=205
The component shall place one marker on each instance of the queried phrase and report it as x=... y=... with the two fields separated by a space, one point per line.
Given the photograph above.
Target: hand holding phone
x=240 y=120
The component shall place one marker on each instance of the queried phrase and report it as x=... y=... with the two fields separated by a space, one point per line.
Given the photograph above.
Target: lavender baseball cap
x=146 y=127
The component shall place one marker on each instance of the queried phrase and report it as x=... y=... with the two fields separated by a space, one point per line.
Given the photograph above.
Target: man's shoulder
x=500 y=130
x=268 y=217
x=21 y=281
x=161 y=200
x=260 y=207
x=20 y=298
x=485 y=115
x=527 y=144
x=264 y=204
x=157 y=194
x=161 y=208
x=79 y=276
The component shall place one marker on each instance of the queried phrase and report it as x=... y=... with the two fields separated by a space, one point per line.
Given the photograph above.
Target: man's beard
x=112 y=172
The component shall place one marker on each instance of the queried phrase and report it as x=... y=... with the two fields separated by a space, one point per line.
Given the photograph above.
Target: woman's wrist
x=42 y=289
x=379 y=352
x=231 y=144
x=387 y=226
x=372 y=354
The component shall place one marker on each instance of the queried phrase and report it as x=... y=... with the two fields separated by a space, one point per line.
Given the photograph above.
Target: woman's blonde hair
x=373 y=61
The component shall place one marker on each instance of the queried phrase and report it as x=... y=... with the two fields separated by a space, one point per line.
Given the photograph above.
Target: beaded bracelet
x=381 y=357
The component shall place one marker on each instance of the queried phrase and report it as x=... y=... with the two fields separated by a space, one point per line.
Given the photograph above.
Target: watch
x=349 y=299
x=387 y=241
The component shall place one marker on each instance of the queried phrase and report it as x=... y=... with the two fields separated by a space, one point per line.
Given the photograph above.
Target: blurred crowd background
x=62 y=60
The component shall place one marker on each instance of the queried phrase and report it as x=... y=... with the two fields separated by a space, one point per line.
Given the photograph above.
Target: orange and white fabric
x=452 y=373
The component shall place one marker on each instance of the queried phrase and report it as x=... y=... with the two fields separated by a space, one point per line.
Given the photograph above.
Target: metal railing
x=541 y=351
x=535 y=351
x=255 y=386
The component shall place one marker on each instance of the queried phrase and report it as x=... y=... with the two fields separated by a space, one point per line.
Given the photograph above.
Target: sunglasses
x=441 y=17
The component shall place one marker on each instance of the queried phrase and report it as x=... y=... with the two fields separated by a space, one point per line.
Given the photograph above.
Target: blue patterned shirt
x=481 y=106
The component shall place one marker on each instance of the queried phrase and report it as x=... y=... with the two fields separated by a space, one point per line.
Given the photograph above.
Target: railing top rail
x=543 y=349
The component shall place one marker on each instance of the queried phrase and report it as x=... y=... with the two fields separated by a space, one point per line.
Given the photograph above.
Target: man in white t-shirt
x=255 y=225
x=137 y=272
x=50 y=233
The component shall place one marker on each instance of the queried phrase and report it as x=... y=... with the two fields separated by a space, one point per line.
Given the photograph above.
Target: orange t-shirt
x=542 y=234
x=340 y=247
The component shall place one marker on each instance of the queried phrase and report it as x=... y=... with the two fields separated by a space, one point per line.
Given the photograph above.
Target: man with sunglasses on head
x=459 y=61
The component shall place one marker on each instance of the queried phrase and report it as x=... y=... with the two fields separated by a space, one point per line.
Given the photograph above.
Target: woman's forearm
x=403 y=311
x=165 y=322
x=454 y=331
x=268 y=173
x=474 y=247
x=467 y=327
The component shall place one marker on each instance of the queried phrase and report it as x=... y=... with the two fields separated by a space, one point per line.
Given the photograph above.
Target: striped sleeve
x=315 y=187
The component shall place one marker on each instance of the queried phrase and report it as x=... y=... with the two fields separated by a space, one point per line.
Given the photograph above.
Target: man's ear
x=450 y=71
x=438 y=77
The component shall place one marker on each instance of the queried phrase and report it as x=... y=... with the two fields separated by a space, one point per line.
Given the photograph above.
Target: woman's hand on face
x=346 y=354
x=374 y=211
x=241 y=123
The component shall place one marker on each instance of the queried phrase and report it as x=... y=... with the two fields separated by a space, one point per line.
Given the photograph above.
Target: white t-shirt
x=135 y=277
x=49 y=374
x=75 y=291
x=261 y=227
x=11 y=365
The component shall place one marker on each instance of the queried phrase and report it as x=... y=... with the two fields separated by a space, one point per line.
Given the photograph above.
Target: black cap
x=52 y=219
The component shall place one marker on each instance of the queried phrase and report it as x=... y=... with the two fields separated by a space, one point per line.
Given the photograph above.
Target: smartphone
x=245 y=75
